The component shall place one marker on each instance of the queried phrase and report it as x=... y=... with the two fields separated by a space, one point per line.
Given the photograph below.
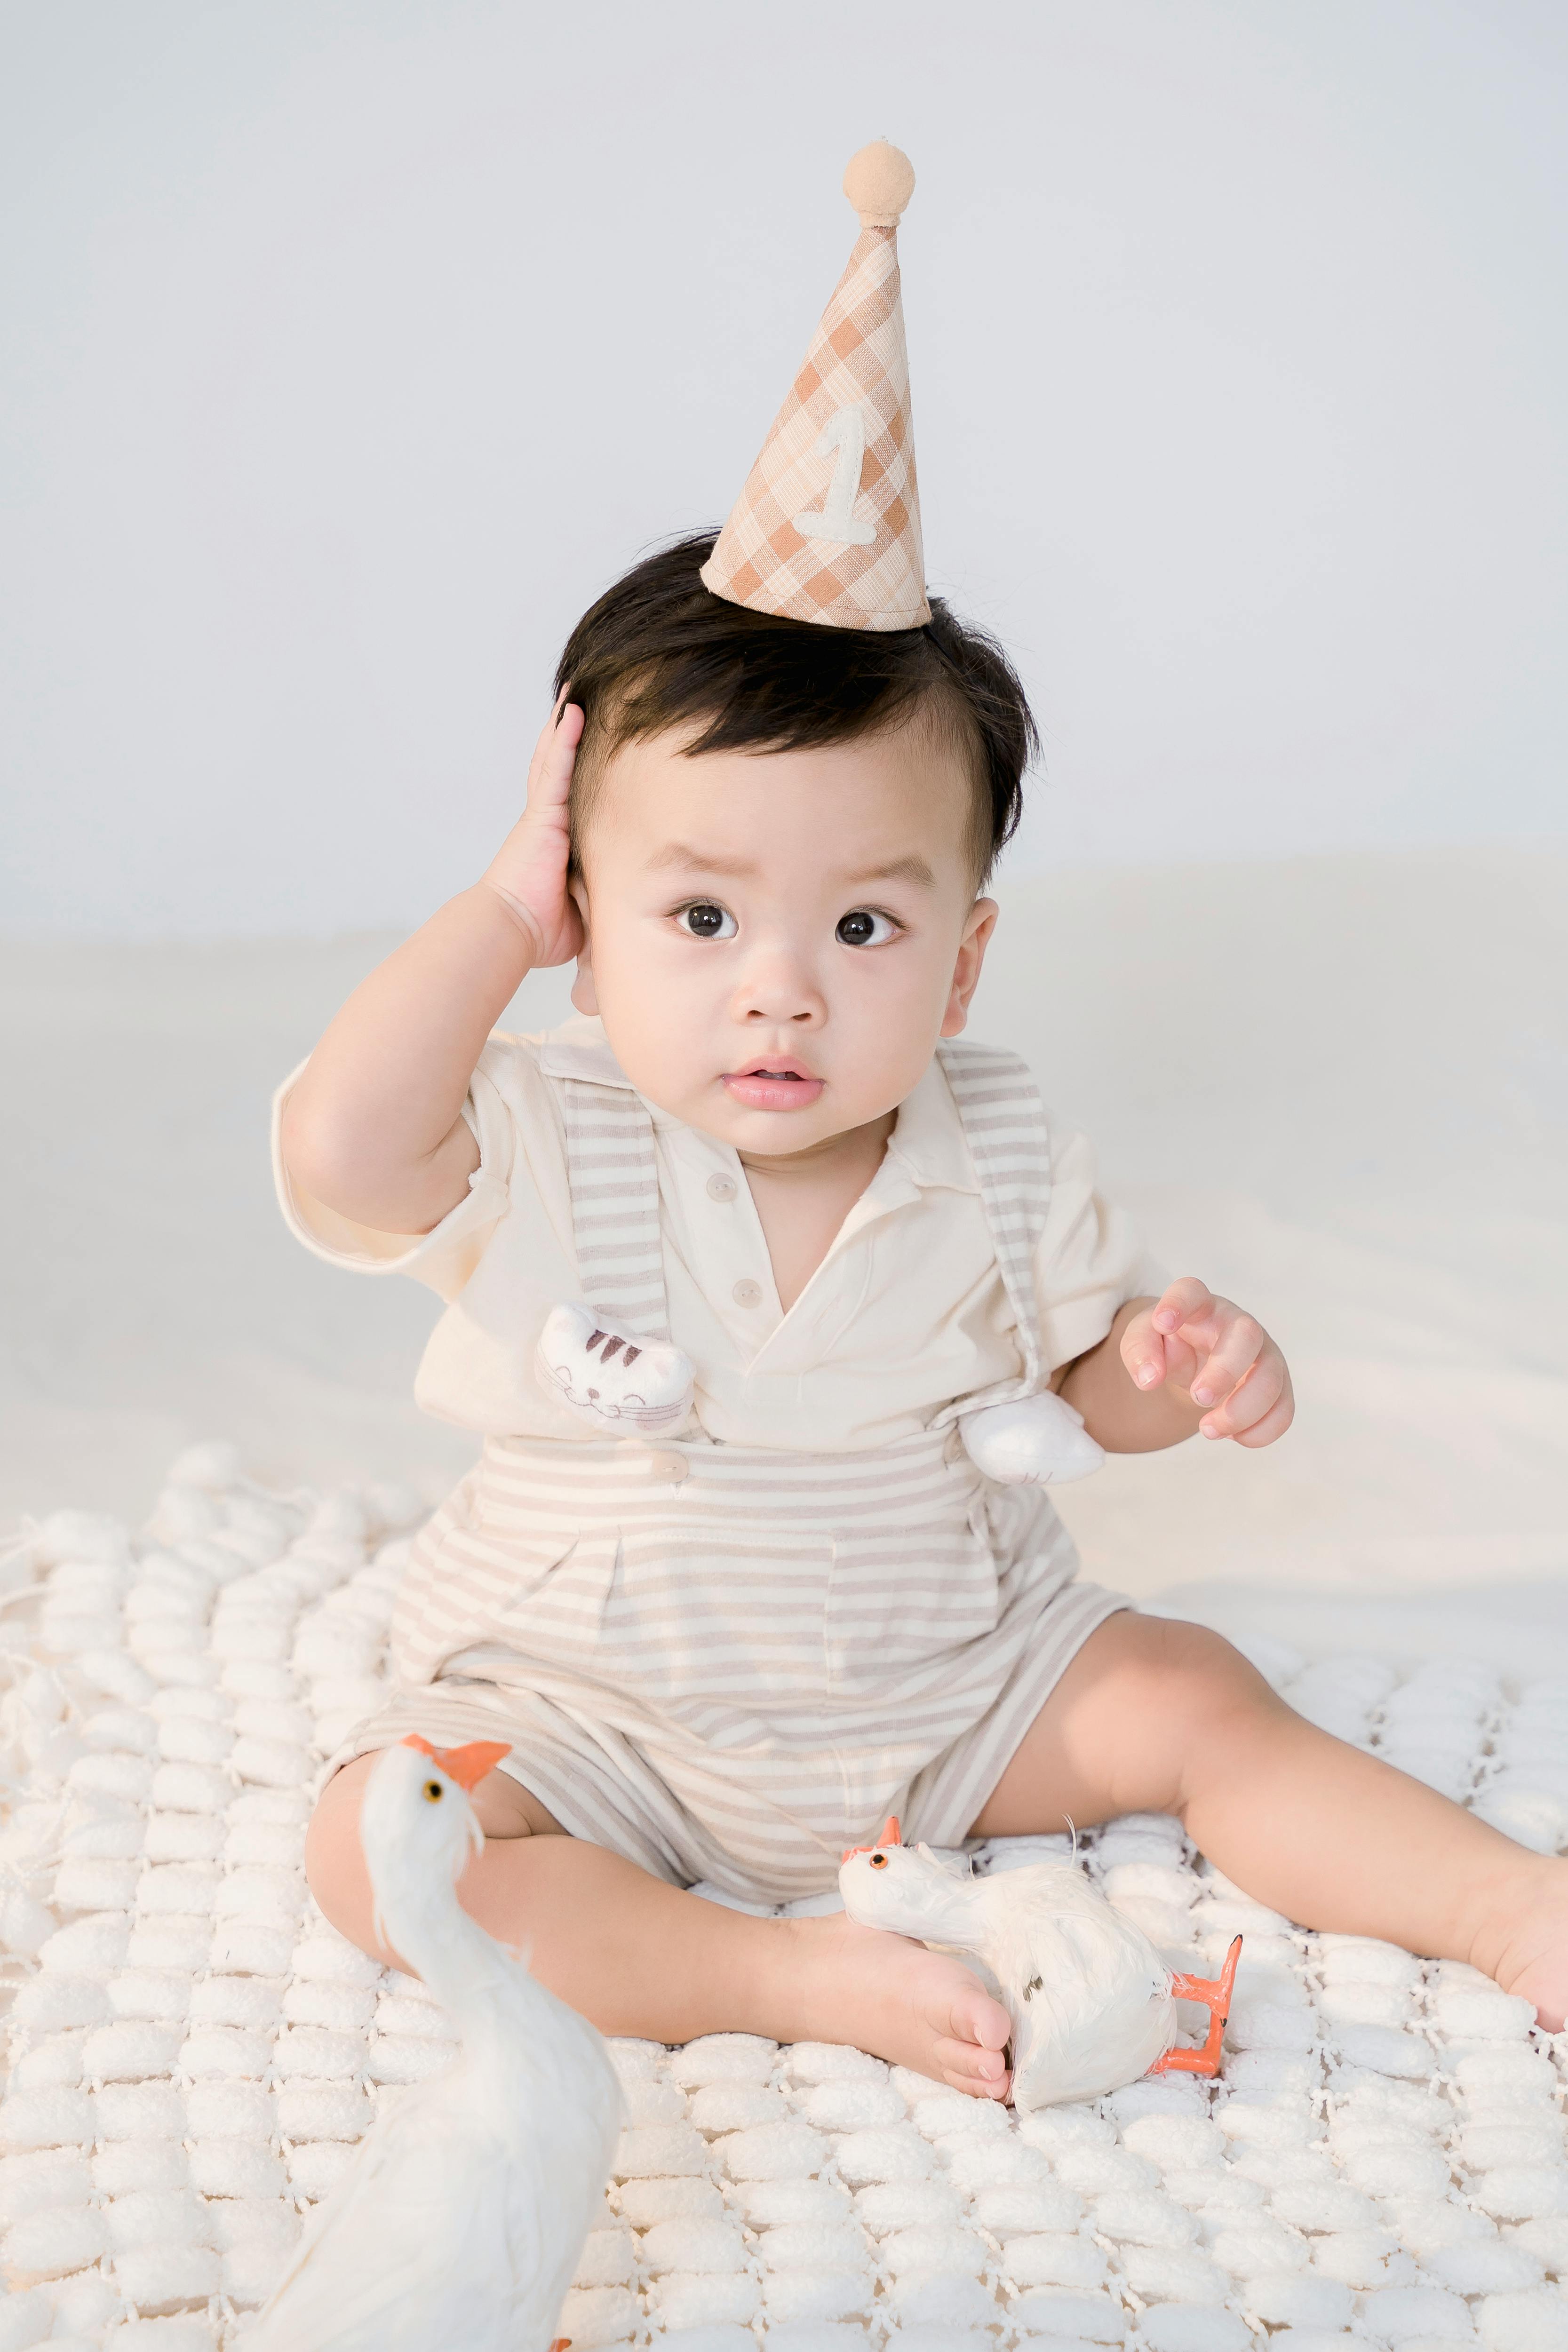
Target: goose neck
x=450 y=1954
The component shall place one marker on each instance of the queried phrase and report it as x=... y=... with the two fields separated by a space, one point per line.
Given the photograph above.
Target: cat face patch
x=624 y=1385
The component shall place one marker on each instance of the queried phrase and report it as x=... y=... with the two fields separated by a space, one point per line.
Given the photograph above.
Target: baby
x=723 y=1650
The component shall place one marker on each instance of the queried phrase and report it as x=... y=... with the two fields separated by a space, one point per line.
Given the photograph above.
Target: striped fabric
x=613 y=1175
x=1004 y=1127
x=728 y=1662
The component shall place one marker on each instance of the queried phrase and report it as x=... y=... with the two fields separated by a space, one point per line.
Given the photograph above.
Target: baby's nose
x=780 y=986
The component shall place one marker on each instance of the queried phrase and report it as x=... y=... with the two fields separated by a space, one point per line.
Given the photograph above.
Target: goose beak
x=467 y=1765
x=890 y=1836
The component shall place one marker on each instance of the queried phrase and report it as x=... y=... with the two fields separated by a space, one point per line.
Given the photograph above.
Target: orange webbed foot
x=1215 y=1993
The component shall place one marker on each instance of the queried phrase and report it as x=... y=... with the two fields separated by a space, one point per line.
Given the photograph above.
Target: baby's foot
x=888 y=1994
x=1531 y=1946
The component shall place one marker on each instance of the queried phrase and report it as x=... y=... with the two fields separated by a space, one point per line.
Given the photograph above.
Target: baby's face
x=776 y=941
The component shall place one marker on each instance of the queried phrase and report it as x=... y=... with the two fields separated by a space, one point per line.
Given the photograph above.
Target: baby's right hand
x=528 y=871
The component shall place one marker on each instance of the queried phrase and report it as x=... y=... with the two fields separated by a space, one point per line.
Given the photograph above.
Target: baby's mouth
x=768 y=1084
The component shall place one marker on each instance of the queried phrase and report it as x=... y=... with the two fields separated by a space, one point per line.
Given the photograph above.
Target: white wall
x=348 y=347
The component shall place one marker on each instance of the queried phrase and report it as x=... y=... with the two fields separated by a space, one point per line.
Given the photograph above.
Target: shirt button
x=747 y=1293
x=721 y=1188
x=672 y=1468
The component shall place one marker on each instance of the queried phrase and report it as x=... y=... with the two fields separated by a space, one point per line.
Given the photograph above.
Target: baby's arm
x=1170 y=1366
x=374 y=1128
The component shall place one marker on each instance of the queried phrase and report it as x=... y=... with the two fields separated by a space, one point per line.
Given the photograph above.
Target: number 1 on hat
x=846 y=431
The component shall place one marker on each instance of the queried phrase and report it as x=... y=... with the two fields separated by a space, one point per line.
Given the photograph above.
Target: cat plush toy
x=627 y=1385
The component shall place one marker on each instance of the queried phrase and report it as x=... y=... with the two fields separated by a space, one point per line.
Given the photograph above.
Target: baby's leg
x=639 y=1957
x=1156 y=1715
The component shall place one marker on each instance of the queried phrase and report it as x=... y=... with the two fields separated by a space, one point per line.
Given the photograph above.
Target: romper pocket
x=556 y=1602
x=527 y=1578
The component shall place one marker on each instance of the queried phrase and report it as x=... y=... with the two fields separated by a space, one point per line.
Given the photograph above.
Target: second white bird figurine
x=1092 y=2003
x=458 y=2227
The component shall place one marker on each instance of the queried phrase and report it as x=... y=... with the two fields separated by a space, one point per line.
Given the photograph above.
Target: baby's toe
x=981 y=2073
x=1547 y=1985
x=974 y=2017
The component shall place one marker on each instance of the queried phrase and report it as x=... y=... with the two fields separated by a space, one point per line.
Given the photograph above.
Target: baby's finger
x=1186 y=1300
x=1226 y=1366
x=1143 y=1352
x=1246 y=1403
x=554 y=754
x=1274 y=1423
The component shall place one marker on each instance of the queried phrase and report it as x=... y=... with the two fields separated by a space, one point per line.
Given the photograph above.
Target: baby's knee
x=1198 y=1677
x=335 y=1868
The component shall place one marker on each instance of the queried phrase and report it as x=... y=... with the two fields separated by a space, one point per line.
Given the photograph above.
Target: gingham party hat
x=828 y=528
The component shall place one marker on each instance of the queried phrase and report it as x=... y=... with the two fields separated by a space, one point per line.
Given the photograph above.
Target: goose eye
x=432 y=1792
x=879 y=1862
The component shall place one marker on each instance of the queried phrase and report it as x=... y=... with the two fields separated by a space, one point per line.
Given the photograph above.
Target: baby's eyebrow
x=700 y=861
x=897 y=869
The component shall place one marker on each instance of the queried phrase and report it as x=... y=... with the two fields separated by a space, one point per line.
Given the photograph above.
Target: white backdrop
x=348 y=347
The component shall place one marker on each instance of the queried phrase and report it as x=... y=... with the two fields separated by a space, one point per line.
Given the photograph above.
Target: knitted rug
x=193 y=2052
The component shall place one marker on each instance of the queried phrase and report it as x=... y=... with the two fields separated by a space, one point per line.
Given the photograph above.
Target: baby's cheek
x=661 y=1021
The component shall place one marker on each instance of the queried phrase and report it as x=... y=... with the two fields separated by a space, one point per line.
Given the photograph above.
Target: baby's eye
x=863 y=928
x=707 y=921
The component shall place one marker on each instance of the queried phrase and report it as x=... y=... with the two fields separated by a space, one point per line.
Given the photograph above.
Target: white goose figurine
x=459 y=2225
x=1092 y=2003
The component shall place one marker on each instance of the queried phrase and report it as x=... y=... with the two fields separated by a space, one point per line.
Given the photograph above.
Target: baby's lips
x=771 y=1089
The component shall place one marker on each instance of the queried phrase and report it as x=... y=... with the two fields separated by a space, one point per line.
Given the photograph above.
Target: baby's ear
x=977 y=929
x=585 y=995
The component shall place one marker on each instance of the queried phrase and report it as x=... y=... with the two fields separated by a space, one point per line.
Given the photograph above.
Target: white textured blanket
x=193 y=2052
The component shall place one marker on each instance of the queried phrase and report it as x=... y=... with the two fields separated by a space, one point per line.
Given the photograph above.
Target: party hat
x=828 y=528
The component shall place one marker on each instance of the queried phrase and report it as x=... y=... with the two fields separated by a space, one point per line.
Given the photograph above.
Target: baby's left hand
x=1223 y=1358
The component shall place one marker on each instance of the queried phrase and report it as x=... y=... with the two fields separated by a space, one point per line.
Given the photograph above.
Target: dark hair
x=658 y=650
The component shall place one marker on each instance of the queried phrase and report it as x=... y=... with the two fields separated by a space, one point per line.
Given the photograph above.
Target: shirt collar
x=927 y=1145
x=928 y=1140
x=580 y=1049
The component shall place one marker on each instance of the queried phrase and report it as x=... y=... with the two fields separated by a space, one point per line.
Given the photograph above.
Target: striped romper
x=725 y=1660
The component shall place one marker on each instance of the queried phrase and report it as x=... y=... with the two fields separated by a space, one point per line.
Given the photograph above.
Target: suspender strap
x=1004 y=1127
x=614 y=1177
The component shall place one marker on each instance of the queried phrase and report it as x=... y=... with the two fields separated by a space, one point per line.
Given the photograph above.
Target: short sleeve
x=445 y=1256
x=1088 y=1260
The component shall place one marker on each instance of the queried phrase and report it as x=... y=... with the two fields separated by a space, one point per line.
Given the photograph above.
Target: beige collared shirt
x=906 y=1312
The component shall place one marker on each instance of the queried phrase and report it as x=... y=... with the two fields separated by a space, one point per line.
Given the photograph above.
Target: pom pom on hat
x=879 y=181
